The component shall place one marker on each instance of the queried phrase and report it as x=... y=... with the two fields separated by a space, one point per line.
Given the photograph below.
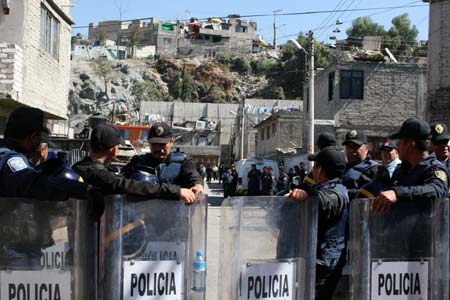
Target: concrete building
x=279 y=135
x=439 y=61
x=374 y=96
x=35 y=56
x=228 y=133
x=177 y=38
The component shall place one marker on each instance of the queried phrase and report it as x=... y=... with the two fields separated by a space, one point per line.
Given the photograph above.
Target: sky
x=323 y=24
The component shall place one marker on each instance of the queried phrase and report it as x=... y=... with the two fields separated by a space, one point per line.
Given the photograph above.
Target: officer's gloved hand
x=96 y=203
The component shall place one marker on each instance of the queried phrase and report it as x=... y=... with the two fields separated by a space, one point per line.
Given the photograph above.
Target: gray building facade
x=439 y=61
x=372 y=96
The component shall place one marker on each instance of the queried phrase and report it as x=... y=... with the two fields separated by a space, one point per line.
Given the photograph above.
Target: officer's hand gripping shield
x=267 y=248
x=402 y=254
x=47 y=250
x=147 y=248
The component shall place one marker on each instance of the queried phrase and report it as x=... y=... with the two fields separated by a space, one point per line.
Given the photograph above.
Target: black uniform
x=19 y=179
x=427 y=180
x=95 y=173
x=181 y=168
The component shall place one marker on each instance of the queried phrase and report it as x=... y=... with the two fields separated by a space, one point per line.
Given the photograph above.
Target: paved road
x=215 y=192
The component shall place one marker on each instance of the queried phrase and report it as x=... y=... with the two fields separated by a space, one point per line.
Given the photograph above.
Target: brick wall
x=392 y=93
x=46 y=79
x=11 y=63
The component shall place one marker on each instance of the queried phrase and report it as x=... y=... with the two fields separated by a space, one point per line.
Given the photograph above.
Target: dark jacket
x=187 y=177
x=95 y=173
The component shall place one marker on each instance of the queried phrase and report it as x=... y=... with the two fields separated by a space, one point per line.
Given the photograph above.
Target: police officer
x=17 y=177
x=103 y=148
x=333 y=199
x=24 y=225
x=419 y=176
x=440 y=143
x=324 y=140
x=176 y=167
x=361 y=169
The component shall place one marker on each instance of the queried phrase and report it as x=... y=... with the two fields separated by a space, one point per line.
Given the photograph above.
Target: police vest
x=332 y=244
x=351 y=177
x=168 y=172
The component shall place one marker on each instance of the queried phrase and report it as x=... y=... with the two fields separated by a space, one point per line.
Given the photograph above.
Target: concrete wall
x=392 y=93
x=44 y=78
x=439 y=61
x=288 y=134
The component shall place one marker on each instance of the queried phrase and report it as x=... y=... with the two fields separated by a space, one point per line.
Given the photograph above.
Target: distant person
x=267 y=181
x=254 y=181
x=283 y=181
x=215 y=171
x=227 y=180
x=234 y=181
x=208 y=173
x=389 y=156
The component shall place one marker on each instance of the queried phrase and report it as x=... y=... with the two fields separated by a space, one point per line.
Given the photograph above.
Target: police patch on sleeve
x=16 y=164
x=441 y=175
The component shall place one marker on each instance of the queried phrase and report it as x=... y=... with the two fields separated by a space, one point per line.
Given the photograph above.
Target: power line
x=271 y=15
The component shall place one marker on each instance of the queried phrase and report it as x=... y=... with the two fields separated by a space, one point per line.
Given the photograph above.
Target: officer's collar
x=331 y=181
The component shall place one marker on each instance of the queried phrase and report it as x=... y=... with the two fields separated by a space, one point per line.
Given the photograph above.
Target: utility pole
x=242 y=127
x=275 y=27
x=311 y=94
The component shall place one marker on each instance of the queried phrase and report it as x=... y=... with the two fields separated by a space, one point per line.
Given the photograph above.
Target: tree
x=361 y=27
x=103 y=68
x=176 y=86
x=147 y=91
x=293 y=75
x=187 y=87
x=402 y=36
x=136 y=36
x=102 y=36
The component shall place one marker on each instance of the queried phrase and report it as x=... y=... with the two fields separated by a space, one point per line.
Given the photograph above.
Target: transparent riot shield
x=47 y=250
x=267 y=248
x=148 y=248
x=402 y=254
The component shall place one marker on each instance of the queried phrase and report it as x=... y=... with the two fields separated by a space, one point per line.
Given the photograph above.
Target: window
x=352 y=85
x=274 y=129
x=167 y=41
x=49 y=35
x=330 y=86
x=262 y=134
x=268 y=132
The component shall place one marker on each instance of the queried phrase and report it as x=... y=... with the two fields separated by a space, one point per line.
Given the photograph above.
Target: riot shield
x=402 y=254
x=47 y=250
x=147 y=248
x=267 y=248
